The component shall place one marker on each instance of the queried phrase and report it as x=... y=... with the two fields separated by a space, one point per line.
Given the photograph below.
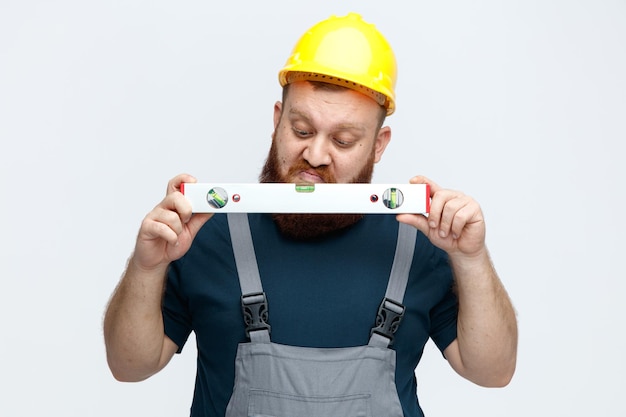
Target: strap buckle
x=255 y=313
x=388 y=319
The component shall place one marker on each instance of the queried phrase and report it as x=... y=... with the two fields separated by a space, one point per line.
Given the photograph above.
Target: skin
x=136 y=344
x=485 y=350
x=337 y=130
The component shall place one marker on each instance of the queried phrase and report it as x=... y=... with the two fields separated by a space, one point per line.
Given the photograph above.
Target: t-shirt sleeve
x=444 y=315
x=444 y=321
x=176 y=316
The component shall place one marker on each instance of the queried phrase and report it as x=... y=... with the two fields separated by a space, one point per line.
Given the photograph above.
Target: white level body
x=308 y=198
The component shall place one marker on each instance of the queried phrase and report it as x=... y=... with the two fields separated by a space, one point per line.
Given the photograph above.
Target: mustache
x=301 y=165
x=271 y=169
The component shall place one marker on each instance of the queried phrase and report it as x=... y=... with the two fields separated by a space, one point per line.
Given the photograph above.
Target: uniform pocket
x=273 y=404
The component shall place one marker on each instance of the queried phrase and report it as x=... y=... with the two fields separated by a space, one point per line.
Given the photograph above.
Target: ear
x=381 y=142
x=278 y=111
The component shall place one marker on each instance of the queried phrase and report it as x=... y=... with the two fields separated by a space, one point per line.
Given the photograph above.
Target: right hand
x=167 y=232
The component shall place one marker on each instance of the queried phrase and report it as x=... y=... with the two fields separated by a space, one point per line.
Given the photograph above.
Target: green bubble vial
x=305 y=188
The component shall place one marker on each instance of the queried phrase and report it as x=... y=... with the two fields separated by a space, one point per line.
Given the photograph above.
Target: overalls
x=274 y=380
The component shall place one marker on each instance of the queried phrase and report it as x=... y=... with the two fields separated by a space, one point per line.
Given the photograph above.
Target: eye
x=301 y=133
x=342 y=142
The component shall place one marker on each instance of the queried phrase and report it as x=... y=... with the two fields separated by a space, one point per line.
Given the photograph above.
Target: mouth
x=309 y=176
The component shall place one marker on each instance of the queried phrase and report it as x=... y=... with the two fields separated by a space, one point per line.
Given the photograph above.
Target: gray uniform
x=274 y=380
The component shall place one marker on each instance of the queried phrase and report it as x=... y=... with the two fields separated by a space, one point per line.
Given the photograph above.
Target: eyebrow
x=340 y=126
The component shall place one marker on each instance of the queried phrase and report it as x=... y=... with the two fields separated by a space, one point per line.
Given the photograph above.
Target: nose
x=317 y=151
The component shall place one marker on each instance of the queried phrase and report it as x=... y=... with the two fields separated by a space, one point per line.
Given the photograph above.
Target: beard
x=308 y=226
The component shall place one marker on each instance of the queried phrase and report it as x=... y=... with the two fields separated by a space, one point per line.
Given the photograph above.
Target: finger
x=437 y=205
x=453 y=215
x=469 y=214
x=461 y=219
x=418 y=221
x=174 y=184
x=420 y=179
x=161 y=224
x=181 y=205
x=173 y=211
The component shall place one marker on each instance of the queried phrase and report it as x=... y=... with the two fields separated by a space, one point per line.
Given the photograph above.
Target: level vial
x=305 y=188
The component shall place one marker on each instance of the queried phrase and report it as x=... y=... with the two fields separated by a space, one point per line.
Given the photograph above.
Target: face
x=327 y=135
x=323 y=136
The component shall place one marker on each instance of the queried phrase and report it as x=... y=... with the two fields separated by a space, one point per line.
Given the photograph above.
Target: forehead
x=327 y=103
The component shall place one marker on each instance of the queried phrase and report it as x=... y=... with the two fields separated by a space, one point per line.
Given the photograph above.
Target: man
x=321 y=277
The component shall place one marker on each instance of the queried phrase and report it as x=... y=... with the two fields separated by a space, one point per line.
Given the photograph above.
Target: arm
x=136 y=344
x=485 y=350
x=486 y=345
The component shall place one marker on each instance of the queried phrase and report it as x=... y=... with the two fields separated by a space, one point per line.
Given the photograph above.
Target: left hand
x=455 y=223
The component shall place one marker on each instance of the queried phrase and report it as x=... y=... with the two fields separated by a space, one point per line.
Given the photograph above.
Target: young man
x=322 y=349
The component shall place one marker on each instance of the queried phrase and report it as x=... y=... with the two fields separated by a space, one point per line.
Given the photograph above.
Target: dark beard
x=310 y=226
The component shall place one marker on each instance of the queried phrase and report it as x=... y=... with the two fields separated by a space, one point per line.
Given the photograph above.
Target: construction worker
x=316 y=314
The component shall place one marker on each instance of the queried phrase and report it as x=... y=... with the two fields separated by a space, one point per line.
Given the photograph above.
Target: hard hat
x=346 y=51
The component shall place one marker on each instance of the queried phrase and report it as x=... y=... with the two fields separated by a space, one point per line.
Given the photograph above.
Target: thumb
x=197 y=221
x=419 y=221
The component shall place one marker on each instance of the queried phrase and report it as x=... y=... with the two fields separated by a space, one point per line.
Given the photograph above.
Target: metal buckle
x=255 y=313
x=388 y=319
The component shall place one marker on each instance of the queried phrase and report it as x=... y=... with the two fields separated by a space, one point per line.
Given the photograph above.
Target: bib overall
x=274 y=380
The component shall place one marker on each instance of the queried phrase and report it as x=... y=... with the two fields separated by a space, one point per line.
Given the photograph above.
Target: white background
x=521 y=104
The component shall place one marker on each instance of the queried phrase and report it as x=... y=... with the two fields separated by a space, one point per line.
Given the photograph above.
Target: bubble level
x=305 y=188
x=308 y=198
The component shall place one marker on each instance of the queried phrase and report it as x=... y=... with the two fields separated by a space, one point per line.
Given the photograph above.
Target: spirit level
x=308 y=198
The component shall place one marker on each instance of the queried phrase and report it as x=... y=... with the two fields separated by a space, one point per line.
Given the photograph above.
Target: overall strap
x=391 y=309
x=253 y=300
